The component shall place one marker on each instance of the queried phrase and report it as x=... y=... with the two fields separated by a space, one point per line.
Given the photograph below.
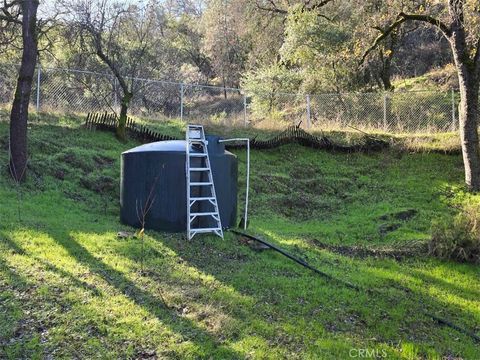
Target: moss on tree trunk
x=122 y=120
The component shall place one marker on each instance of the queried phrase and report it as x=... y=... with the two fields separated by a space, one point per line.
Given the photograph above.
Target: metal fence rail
x=79 y=91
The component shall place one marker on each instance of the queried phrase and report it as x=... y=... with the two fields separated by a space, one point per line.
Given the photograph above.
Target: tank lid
x=163 y=146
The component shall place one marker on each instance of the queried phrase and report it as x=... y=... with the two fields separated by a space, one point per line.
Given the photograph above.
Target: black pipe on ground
x=356 y=287
x=297 y=260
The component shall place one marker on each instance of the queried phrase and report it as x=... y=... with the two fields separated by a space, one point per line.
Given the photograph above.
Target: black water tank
x=159 y=169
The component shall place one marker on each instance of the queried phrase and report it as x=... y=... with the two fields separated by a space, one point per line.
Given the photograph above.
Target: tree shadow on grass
x=436 y=295
x=17 y=249
x=144 y=299
x=276 y=284
x=18 y=331
x=10 y=244
x=340 y=317
x=391 y=312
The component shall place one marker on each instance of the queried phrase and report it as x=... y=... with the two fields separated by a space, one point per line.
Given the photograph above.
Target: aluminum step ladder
x=200 y=193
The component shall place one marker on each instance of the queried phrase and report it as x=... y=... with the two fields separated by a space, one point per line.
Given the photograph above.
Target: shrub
x=457 y=238
x=267 y=88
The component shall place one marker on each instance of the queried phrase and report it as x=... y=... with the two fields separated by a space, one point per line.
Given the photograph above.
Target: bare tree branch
x=307 y=5
x=9 y=16
x=428 y=19
x=316 y=5
x=383 y=34
x=273 y=8
x=401 y=18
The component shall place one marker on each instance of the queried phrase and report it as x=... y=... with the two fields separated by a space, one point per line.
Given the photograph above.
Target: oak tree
x=20 y=14
x=459 y=23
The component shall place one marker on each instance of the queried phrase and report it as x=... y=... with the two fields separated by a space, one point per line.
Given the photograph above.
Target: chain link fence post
x=245 y=121
x=39 y=78
x=308 y=112
x=385 y=111
x=181 y=101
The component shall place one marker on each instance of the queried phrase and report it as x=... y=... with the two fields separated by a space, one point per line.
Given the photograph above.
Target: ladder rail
x=199 y=140
x=187 y=173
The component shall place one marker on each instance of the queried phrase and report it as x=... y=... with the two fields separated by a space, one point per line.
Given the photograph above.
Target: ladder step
x=198 y=154
x=200 y=183
x=194 y=132
x=204 y=214
x=204 y=230
x=199 y=169
x=202 y=198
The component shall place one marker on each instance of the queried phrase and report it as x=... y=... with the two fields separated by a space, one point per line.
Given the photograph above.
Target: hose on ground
x=441 y=321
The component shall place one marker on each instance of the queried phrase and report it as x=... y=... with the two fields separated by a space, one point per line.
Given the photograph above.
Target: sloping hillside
x=441 y=79
x=69 y=287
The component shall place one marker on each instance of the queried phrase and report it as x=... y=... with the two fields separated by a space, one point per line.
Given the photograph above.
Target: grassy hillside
x=70 y=288
x=441 y=79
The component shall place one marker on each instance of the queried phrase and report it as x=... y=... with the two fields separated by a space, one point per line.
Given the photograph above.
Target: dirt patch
x=75 y=161
x=146 y=354
x=394 y=220
x=301 y=206
x=403 y=215
x=59 y=174
x=254 y=245
x=398 y=253
x=384 y=229
x=103 y=161
x=100 y=184
x=305 y=172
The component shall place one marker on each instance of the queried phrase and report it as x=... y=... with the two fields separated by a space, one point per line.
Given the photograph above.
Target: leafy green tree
x=188 y=40
x=222 y=43
x=319 y=43
x=124 y=37
x=320 y=47
x=267 y=86
x=380 y=64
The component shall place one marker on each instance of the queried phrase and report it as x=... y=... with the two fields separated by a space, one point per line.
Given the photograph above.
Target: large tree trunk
x=122 y=120
x=386 y=58
x=127 y=95
x=19 y=113
x=468 y=116
x=385 y=76
x=468 y=84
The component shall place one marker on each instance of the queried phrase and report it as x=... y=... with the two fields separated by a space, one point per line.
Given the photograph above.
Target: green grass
x=69 y=288
x=439 y=79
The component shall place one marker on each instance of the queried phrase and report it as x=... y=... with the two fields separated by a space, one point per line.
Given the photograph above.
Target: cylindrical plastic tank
x=153 y=181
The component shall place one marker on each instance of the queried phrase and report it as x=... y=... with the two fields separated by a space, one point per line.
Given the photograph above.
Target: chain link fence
x=78 y=91
x=400 y=112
